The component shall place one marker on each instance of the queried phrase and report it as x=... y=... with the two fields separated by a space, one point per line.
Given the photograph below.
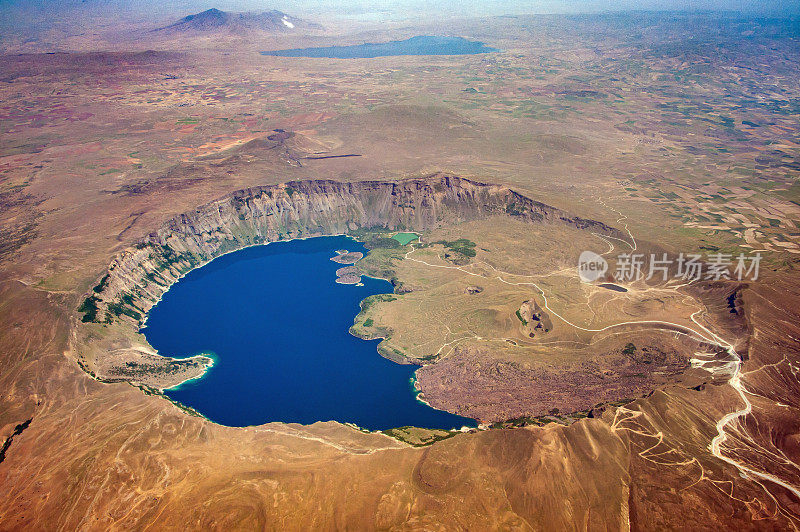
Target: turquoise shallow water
x=420 y=45
x=277 y=325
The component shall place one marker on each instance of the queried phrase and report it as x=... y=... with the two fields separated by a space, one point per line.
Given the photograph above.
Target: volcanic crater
x=139 y=276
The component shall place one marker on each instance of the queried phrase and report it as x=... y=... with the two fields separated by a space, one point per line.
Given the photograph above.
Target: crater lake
x=276 y=323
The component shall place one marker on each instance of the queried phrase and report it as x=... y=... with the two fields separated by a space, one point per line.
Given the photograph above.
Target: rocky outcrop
x=472 y=382
x=140 y=275
x=534 y=320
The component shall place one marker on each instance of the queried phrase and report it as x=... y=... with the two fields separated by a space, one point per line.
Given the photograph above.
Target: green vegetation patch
x=373 y=242
x=102 y=284
x=462 y=245
x=123 y=308
x=89 y=309
x=419 y=437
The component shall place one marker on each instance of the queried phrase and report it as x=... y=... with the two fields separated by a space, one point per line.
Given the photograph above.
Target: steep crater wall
x=140 y=275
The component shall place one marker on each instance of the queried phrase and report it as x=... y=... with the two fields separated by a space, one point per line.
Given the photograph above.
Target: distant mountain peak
x=209 y=17
x=216 y=20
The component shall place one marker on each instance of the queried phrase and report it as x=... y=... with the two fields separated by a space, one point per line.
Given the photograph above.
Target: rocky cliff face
x=140 y=275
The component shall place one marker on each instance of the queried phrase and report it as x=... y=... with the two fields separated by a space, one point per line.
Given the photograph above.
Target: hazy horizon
x=44 y=25
x=405 y=9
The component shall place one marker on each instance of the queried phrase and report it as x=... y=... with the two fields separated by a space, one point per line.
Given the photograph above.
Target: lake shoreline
x=273 y=344
x=420 y=45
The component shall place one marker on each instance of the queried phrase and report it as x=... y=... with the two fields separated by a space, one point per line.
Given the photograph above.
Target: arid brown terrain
x=671 y=405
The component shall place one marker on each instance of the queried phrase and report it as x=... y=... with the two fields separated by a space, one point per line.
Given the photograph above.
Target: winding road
x=704 y=333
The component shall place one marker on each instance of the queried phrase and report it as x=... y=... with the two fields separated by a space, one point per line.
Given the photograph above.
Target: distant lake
x=421 y=45
x=277 y=326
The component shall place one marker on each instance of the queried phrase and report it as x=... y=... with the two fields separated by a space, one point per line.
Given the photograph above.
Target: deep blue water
x=420 y=45
x=277 y=325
